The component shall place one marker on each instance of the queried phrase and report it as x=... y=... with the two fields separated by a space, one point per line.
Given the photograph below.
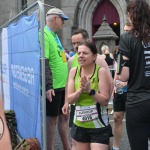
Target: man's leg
x=51 y=129
x=63 y=129
x=119 y=109
x=118 y=126
x=52 y=112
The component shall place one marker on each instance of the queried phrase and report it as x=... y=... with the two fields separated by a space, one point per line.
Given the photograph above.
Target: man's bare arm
x=65 y=108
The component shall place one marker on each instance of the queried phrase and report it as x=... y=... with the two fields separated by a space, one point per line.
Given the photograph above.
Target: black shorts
x=119 y=102
x=55 y=107
x=71 y=115
x=88 y=135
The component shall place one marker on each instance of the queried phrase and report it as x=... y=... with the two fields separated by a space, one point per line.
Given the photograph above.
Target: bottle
x=119 y=90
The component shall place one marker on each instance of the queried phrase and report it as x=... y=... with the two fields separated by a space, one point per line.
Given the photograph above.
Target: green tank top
x=86 y=100
x=75 y=61
x=57 y=59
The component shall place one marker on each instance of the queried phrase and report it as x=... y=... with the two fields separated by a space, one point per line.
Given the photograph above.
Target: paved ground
x=124 y=145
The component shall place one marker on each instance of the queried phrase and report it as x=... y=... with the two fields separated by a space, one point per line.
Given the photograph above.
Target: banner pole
x=43 y=98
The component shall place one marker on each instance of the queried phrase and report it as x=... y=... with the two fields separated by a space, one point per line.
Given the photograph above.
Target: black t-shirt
x=109 y=60
x=139 y=66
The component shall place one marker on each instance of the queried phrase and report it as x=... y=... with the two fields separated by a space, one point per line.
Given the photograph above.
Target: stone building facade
x=81 y=13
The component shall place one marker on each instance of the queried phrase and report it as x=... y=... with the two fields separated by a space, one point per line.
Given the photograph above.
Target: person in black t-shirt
x=119 y=101
x=127 y=26
x=109 y=58
x=135 y=62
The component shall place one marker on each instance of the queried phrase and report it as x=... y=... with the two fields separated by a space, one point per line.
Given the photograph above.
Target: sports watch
x=92 y=92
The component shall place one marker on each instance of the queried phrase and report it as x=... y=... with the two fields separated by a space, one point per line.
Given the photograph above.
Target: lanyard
x=56 y=38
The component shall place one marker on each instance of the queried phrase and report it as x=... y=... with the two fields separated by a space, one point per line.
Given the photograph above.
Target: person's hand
x=121 y=84
x=65 y=109
x=115 y=90
x=49 y=94
x=85 y=84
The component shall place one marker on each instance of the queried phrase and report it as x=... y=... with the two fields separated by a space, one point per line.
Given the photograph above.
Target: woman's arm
x=124 y=75
x=72 y=95
x=5 y=143
x=104 y=85
x=111 y=55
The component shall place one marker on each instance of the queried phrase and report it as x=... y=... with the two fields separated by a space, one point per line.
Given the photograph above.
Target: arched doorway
x=105 y=7
x=86 y=8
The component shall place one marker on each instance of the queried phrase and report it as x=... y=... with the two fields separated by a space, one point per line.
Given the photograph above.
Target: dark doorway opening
x=116 y=29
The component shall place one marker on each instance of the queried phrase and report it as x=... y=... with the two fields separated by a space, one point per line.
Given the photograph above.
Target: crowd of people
x=79 y=85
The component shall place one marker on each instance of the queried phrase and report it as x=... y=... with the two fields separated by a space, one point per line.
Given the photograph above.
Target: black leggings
x=138 y=126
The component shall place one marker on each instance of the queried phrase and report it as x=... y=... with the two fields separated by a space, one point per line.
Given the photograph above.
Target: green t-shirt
x=86 y=100
x=57 y=59
x=75 y=61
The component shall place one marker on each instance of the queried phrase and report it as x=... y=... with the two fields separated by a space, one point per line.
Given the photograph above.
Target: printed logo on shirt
x=147 y=58
x=123 y=64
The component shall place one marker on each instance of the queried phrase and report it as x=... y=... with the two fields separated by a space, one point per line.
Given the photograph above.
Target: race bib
x=86 y=113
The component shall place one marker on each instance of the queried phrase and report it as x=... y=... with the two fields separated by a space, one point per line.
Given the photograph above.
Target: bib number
x=86 y=113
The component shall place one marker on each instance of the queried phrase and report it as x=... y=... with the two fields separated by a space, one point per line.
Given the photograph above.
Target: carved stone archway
x=84 y=13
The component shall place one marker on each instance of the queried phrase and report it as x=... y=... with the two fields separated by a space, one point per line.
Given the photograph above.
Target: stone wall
x=80 y=13
x=68 y=7
x=8 y=10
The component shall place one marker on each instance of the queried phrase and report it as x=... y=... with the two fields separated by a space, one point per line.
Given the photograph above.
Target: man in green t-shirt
x=56 y=77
